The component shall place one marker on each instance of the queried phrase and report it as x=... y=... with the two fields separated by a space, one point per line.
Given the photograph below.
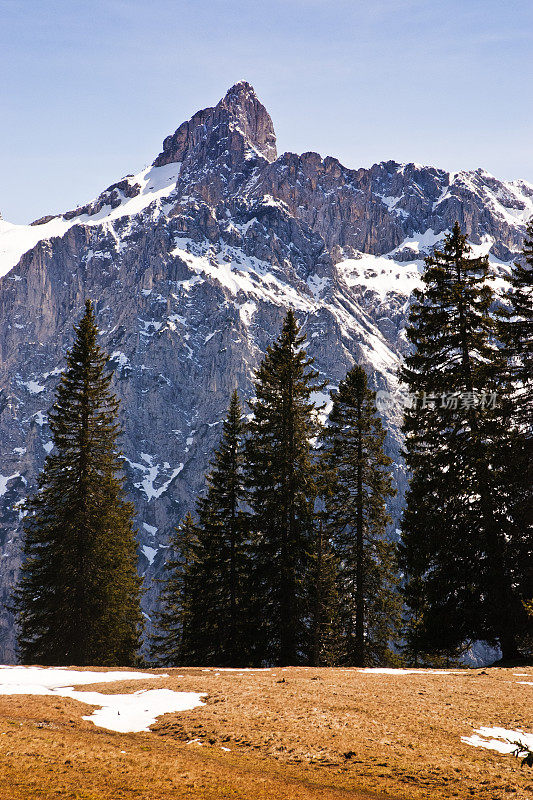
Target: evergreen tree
x=358 y=487
x=281 y=481
x=325 y=623
x=171 y=641
x=460 y=532
x=78 y=598
x=204 y=618
x=517 y=334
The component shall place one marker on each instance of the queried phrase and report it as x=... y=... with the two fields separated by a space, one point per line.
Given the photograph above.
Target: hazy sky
x=89 y=89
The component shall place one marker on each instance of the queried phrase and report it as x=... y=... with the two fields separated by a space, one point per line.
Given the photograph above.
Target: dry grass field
x=279 y=734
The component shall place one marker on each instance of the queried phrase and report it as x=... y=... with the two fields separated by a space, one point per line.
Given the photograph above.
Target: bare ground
x=283 y=734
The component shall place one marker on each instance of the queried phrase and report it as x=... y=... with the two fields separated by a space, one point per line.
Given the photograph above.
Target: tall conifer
x=516 y=331
x=281 y=481
x=517 y=334
x=459 y=526
x=326 y=648
x=78 y=597
x=172 y=641
x=358 y=487
x=204 y=614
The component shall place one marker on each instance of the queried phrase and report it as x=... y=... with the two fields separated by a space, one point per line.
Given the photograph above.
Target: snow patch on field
x=133 y=713
x=25 y=680
x=124 y=713
x=399 y=671
x=499 y=739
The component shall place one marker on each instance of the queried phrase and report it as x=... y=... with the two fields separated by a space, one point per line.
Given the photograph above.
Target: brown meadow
x=283 y=734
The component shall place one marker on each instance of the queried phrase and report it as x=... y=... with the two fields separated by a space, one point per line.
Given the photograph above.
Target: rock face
x=192 y=264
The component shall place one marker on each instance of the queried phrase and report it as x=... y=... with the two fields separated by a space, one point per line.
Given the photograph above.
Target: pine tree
x=281 y=479
x=171 y=642
x=517 y=333
x=459 y=527
x=358 y=486
x=326 y=648
x=204 y=618
x=78 y=598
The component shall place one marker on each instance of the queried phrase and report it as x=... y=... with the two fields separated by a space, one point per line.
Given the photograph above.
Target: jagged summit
x=239 y=110
x=242 y=101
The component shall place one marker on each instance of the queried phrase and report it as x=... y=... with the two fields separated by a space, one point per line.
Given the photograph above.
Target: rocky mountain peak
x=254 y=120
x=241 y=109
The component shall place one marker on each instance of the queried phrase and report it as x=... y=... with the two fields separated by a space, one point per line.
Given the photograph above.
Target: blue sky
x=90 y=89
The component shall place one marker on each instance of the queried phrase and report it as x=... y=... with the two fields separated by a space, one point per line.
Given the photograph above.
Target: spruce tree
x=517 y=334
x=459 y=527
x=326 y=649
x=78 y=598
x=204 y=593
x=357 y=488
x=281 y=480
x=171 y=642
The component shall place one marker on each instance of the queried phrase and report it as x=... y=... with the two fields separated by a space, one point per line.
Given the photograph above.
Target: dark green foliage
x=326 y=644
x=78 y=597
x=357 y=485
x=204 y=617
x=266 y=574
x=517 y=333
x=281 y=480
x=170 y=644
x=461 y=537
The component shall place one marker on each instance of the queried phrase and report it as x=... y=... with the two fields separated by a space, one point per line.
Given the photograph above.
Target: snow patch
x=156 y=183
x=23 y=680
x=400 y=671
x=317 y=285
x=151 y=471
x=149 y=552
x=247 y=311
x=119 y=358
x=124 y=713
x=380 y=274
x=4 y=479
x=32 y=386
x=422 y=242
x=499 y=739
x=151 y=529
x=236 y=272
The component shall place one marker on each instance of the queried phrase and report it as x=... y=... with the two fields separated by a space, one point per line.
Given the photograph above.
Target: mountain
x=191 y=264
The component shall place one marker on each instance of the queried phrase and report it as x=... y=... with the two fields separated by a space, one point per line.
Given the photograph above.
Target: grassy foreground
x=287 y=734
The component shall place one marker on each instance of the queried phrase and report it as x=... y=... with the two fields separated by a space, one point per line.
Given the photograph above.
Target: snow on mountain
x=129 y=197
x=192 y=264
